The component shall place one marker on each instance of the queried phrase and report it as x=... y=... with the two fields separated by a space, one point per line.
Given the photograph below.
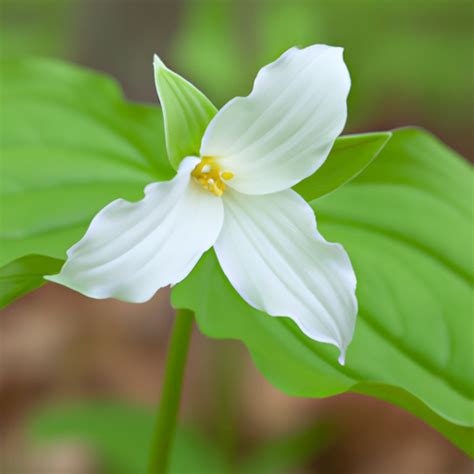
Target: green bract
x=350 y=155
x=186 y=113
x=70 y=144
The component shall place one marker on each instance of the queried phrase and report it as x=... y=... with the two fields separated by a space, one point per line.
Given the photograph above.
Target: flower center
x=209 y=175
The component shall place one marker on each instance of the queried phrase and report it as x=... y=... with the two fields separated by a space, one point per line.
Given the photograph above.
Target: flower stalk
x=165 y=425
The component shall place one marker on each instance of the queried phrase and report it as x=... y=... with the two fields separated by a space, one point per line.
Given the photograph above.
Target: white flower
x=237 y=197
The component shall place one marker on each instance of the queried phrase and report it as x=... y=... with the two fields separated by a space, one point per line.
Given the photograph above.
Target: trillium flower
x=236 y=196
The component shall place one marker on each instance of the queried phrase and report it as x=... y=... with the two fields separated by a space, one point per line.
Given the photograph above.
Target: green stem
x=165 y=425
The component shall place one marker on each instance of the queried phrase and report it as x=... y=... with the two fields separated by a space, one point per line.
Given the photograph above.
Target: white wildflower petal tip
x=275 y=258
x=132 y=249
x=283 y=131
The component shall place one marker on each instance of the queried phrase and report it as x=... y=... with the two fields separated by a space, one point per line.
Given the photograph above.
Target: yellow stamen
x=227 y=175
x=208 y=174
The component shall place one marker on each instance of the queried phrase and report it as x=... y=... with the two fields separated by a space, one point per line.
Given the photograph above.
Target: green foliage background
x=409 y=63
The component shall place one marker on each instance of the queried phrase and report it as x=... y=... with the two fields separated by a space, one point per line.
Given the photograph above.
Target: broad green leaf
x=350 y=155
x=407 y=225
x=24 y=275
x=69 y=145
x=121 y=436
x=186 y=111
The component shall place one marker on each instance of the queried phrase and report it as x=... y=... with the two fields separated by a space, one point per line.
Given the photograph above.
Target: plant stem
x=165 y=425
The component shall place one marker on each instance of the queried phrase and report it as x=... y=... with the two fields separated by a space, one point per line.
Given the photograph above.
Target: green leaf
x=407 y=225
x=121 y=436
x=350 y=155
x=186 y=110
x=69 y=145
x=24 y=275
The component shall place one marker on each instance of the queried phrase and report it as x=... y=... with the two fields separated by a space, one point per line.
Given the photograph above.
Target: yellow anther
x=208 y=174
x=227 y=175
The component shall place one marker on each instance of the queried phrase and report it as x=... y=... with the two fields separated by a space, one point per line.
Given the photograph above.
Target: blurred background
x=65 y=359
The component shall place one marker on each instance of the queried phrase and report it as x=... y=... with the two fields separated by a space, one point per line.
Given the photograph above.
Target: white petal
x=132 y=249
x=271 y=252
x=283 y=131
